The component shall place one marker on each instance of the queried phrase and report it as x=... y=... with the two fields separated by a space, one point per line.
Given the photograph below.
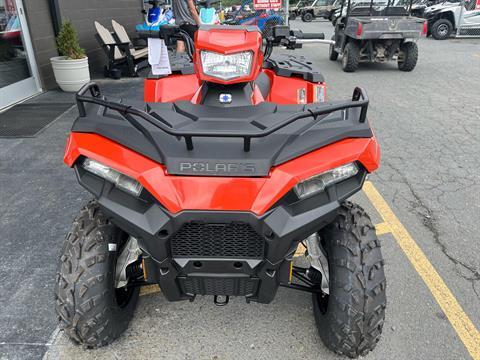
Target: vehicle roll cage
x=389 y=2
x=130 y=114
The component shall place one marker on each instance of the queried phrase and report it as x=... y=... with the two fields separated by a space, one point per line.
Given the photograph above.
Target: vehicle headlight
x=121 y=181
x=318 y=183
x=226 y=67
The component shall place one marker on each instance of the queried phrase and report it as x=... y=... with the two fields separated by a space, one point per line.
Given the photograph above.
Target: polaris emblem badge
x=225 y=98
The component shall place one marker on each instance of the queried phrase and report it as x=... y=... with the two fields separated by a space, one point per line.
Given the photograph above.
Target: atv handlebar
x=310 y=36
x=359 y=100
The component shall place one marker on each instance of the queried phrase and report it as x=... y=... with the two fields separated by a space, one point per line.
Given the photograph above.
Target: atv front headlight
x=226 y=67
x=318 y=183
x=121 y=181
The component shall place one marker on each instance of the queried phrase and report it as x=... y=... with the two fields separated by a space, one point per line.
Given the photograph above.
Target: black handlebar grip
x=312 y=36
x=145 y=34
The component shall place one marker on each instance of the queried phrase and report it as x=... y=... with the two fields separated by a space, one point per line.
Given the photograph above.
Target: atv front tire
x=441 y=29
x=351 y=317
x=332 y=54
x=91 y=311
x=351 y=57
x=408 y=56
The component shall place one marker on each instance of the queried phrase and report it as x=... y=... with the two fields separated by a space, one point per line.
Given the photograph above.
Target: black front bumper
x=219 y=252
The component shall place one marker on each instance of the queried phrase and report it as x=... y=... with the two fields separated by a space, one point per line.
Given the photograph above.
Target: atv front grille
x=232 y=240
x=219 y=286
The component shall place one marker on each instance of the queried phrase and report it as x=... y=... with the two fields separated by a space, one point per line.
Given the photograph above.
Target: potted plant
x=71 y=68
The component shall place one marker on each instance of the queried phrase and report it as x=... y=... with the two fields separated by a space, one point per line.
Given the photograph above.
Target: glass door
x=18 y=70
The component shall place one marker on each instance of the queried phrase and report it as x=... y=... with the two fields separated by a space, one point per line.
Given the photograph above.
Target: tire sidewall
x=85 y=287
x=307 y=17
x=410 y=56
x=353 y=320
x=440 y=23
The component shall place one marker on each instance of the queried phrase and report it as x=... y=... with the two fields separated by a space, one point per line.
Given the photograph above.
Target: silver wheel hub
x=442 y=29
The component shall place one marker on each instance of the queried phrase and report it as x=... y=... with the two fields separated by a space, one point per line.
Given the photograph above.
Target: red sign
x=477 y=7
x=269 y=4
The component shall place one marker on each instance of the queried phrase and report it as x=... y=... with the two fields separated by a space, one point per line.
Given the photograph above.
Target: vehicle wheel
x=350 y=318
x=268 y=29
x=332 y=54
x=407 y=56
x=292 y=16
x=441 y=29
x=351 y=56
x=91 y=311
x=307 y=17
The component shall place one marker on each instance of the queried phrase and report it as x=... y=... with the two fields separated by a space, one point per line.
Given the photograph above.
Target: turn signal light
x=121 y=181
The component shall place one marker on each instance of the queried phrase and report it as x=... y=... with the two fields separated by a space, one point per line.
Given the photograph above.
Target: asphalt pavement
x=428 y=126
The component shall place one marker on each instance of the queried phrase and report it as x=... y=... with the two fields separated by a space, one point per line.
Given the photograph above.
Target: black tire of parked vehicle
x=332 y=54
x=441 y=29
x=307 y=17
x=91 y=311
x=408 y=56
x=292 y=16
x=350 y=319
x=351 y=57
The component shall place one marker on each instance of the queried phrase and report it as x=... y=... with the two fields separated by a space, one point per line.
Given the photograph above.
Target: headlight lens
x=121 y=181
x=226 y=67
x=318 y=183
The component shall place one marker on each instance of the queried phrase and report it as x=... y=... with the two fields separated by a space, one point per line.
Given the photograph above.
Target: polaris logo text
x=228 y=168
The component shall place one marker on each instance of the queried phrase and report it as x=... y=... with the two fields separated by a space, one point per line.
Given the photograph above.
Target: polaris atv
x=209 y=187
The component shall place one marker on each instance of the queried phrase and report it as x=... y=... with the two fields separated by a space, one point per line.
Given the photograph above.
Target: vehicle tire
x=350 y=319
x=268 y=29
x=307 y=17
x=332 y=54
x=441 y=29
x=292 y=16
x=91 y=311
x=408 y=56
x=351 y=57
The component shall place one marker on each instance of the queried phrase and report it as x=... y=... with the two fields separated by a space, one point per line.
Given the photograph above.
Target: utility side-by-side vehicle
x=376 y=31
x=210 y=185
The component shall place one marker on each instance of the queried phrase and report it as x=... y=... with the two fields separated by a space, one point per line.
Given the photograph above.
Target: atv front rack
x=359 y=100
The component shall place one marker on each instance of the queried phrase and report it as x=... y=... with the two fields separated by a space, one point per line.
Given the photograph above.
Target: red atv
x=209 y=187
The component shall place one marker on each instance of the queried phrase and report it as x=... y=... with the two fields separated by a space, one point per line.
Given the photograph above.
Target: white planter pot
x=70 y=75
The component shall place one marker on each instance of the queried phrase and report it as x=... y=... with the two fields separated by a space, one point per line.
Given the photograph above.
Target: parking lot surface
x=428 y=126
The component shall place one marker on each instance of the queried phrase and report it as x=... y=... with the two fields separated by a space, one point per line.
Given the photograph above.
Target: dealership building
x=27 y=39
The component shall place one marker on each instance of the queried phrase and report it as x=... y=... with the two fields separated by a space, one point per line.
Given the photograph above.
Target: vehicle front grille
x=219 y=286
x=232 y=240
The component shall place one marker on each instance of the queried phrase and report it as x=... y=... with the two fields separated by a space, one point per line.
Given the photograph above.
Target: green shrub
x=67 y=42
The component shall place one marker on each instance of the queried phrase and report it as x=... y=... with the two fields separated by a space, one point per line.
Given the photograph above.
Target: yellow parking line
x=149 y=289
x=382 y=229
x=442 y=294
